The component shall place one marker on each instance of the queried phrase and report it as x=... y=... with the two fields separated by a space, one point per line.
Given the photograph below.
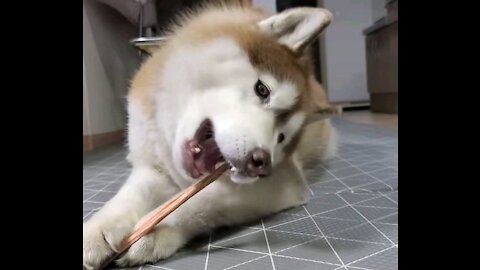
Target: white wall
x=109 y=63
x=345 y=70
x=269 y=5
x=378 y=9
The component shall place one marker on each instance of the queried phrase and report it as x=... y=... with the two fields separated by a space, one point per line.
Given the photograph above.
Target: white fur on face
x=209 y=79
x=283 y=95
x=216 y=80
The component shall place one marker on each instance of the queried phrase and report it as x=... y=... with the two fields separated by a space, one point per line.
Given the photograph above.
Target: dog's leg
x=103 y=233
x=223 y=203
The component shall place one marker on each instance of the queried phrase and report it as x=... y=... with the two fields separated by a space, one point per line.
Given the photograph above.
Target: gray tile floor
x=351 y=221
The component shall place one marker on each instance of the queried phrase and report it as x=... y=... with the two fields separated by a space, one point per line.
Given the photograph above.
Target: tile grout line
x=388 y=198
x=208 y=250
x=349 y=164
x=386 y=223
x=89 y=213
x=103 y=189
x=341 y=158
x=321 y=213
x=310 y=189
x=238 y=236
x=329 y=237
x=268 y=244
x=91 y=190
x=356 y=187
x=354 y=267
x=368 y=221
x=370 y=255
x=378 y=180
x=104 y=169
x=89 y=201
x=340 y=231
x=328 y=242
x=305 y=217
x=341 y=182
x=355 y=174
x=352 y=191
x=301 y=217
x=243 y=263
x=359 y=225
x=275 y=254
x=158 y=267
x=315 y=238
x=303 y=259
x=309 y=241
x=240 y=249
x=95 y=177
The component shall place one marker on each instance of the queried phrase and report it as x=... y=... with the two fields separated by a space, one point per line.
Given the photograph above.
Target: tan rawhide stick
x=162 y=213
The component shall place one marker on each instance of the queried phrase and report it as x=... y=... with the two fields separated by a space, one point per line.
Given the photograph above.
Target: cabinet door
x=380 y=65
x=392 y=68
x=344 y=50
x=372 y=63
x=375 y=63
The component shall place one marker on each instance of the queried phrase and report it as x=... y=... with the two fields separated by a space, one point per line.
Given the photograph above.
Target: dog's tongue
x=208 y=157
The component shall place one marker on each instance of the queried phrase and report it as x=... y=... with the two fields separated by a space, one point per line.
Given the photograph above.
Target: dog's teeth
x=196 y=150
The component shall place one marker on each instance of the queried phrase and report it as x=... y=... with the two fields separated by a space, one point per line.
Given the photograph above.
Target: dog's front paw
x=159 y=244
x=100 y=242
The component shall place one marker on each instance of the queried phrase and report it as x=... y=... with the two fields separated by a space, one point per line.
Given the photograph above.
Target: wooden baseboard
x=384 y=102
x=352 y=105
x=94 y=141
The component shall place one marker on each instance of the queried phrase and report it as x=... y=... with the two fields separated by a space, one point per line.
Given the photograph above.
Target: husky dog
x=230 y=84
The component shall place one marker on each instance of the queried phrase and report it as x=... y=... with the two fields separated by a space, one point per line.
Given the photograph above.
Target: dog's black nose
x=258 y=163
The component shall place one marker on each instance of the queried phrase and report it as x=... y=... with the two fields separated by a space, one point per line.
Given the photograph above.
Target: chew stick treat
x=162 y=213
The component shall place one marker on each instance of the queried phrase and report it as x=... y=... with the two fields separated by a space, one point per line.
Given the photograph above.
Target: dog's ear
x=297 y=27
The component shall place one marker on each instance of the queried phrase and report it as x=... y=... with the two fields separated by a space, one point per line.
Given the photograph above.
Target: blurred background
x=356 y=58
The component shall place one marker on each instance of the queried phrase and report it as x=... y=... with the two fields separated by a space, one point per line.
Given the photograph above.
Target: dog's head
x=251 y=94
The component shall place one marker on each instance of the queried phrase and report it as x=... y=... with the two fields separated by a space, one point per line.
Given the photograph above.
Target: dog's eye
x=281 y=137
x=261 y=90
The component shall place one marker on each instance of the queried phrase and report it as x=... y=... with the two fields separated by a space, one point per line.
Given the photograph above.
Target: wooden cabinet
x=382 y=65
